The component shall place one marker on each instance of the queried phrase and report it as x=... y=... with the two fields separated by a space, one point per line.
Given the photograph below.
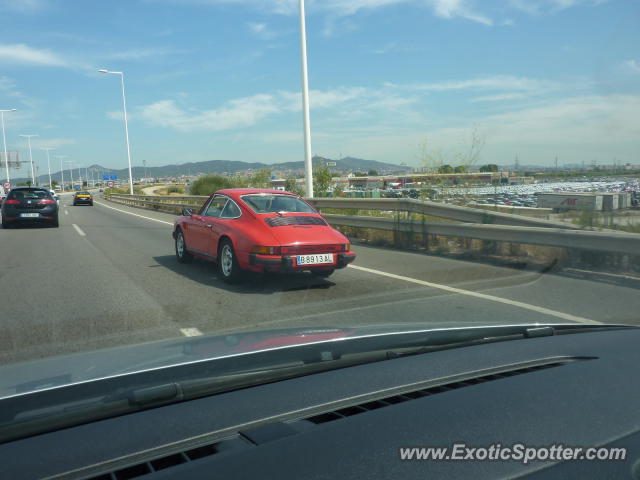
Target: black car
x=29 y=205
x=82 y=198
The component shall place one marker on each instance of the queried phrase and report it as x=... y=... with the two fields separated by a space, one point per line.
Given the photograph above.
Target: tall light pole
x=126 y=126
x=48 y=149
x=71 y=171
x=308 y=167
x=79 y=175
x=33 y=175
x=61 y=169
x=4 y=139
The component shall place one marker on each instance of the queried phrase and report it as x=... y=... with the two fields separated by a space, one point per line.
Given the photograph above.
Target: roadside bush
x=210 y=183
x=175 y=190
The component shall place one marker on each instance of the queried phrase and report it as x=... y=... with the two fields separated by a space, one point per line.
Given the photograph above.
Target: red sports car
x=260 y=230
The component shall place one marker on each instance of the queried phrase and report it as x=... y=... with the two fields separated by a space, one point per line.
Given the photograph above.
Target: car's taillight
x=262 y=250
x=47 y=201
x=12 y=202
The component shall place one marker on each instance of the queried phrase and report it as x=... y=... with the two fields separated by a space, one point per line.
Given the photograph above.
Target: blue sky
x=220 y=79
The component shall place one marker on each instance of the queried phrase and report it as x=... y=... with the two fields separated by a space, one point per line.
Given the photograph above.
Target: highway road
x=108 y=277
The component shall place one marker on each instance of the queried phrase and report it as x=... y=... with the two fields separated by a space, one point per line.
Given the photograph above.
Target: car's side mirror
x=187 y=212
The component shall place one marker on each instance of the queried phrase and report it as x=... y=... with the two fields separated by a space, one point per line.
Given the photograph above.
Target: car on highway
x=82 y=198
x=260 y=230
x=29 y=205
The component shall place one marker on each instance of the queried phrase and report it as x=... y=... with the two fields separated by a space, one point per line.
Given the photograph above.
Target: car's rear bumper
x=83 y=200
x=47 y=214
x=286 y=263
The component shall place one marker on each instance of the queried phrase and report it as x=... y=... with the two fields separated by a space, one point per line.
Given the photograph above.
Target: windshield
x=28 y=194
x=226 y=185
x=265 y=203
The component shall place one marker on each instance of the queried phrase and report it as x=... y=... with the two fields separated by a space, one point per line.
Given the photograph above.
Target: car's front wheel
x=230 y=271
x=182 y=253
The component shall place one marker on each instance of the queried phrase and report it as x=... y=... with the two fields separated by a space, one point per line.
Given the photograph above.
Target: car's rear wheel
x=55 y=223
x=230 y=271
x=182 y=254
x=322 y=273
x=6 y=225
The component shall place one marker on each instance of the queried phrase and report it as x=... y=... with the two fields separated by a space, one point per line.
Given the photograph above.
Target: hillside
x=348 y=164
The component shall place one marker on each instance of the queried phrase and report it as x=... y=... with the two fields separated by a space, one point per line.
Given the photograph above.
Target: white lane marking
x=66 y=212
x=190 y=332
x=79 y=230
x=131 y=213
x=483 y=296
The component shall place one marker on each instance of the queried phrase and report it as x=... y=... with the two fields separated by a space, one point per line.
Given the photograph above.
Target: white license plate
x=314 y=259
x=29 y=215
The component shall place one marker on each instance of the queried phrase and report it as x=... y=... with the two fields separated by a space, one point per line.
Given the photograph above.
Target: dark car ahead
x=82 y=198
x=29 y=205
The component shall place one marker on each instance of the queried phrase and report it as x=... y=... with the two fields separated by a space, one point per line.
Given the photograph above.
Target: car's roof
x=236 y=192
x=31 y=188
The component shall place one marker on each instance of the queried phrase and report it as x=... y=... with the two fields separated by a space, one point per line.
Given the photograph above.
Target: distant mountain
x=348 y=164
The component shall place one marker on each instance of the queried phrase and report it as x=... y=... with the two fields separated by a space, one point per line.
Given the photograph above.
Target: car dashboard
x=579 y=389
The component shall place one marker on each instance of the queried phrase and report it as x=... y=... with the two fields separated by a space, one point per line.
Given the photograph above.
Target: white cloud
x=25 y=55
x=55 y=143
x=447 y=9
x=499 y=98
x=458 y=8
x=140 y=53
x=23 y=6
x=385 y=48
x=495 y=82
x=261 y=30
x=238 y=113
x=632 y=65
x=535 y=7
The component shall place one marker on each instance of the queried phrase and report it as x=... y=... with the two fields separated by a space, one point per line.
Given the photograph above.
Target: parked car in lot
x=82 y=198
x=29 y=205
x=260 y=230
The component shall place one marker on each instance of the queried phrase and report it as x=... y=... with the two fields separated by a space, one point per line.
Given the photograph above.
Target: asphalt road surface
x=108 y=277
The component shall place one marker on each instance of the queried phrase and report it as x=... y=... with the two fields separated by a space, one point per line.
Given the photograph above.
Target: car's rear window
x=28 y=194
x=272 y=203
x=83 y=193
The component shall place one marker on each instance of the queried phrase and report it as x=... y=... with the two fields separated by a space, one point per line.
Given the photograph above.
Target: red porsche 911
x=262 y=231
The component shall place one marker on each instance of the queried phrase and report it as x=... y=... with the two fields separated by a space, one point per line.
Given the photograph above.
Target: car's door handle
x=209 y=225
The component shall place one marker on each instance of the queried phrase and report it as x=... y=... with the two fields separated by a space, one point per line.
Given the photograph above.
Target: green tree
x=290 y=185
x=372 y=173
x=261 y=179
x=321 y=178
x=459 y=169
x=208 y=184
x=360 y=174
x=490 y=167
x=445 y=169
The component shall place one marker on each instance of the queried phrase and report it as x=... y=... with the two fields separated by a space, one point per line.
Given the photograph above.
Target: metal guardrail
x=531 y=231
x=614 y=242
x=434 y=209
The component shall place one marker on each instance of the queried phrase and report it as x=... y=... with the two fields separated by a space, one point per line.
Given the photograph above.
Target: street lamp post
x=126 y=126
x=70 y=171
x=48 y=149
x=308 y=167
x=61 y=169
x=33 y=175
x=4 y=139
